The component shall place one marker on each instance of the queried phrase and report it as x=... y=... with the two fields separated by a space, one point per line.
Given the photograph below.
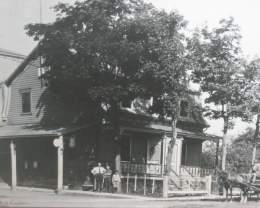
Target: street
x=27 y=198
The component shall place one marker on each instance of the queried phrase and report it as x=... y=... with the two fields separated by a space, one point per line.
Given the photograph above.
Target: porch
x=143 y=159
x=143 y=164
x=159 y=170
x=151 y=179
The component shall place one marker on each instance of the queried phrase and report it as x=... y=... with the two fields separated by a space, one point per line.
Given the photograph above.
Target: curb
x=102 y=194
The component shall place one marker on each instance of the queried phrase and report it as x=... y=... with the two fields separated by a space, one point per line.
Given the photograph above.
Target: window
x=184 y=108
x=26 y=101
x=126 y=103
x=41 y=71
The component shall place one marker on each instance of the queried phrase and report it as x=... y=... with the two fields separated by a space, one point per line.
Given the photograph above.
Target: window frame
x=23 y=91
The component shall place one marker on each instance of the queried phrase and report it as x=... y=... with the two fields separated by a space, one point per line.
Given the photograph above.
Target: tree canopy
x=105 y=52
x=220 y=70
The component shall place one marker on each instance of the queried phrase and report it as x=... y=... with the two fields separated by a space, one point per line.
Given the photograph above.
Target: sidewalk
x=116 y=195
x=35 y=197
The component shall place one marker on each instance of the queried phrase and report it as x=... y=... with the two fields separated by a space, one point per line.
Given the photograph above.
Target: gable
x=21 y=67
x=45 y=107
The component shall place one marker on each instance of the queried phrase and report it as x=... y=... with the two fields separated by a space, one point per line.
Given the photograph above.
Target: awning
x=31 y=131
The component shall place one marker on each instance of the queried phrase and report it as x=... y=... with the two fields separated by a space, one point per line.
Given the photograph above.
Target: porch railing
x=196 y=171
x=141 y=168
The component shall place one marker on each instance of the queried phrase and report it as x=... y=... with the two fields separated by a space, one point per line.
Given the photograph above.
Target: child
x=116 y=181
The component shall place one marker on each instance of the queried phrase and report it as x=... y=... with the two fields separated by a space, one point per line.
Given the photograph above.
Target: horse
x=238 y=181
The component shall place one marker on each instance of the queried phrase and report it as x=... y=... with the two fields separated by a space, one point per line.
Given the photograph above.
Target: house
x=9 y=60
x=49 y=145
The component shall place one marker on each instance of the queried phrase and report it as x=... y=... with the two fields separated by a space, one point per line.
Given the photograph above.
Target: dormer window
x=184 y=108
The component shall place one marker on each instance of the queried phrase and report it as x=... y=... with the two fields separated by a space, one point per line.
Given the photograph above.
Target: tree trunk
x=115 y=121
x=255 y=138
x=224 y=141
x=171 y=146
x=217 y=153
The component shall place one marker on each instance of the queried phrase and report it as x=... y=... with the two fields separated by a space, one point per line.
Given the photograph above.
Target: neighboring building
x=44 y=135
x=9 y=61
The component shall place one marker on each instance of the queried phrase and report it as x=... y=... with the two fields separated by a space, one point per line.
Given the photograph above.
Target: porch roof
x=31 y=131
x=162 y=129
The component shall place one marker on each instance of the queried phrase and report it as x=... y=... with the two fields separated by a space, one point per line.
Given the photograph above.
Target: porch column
x=117 y=139
x=117 y=155
x=164 y=153
x=13 y=165
x=58 y=142
x=179 y=154
x=165 y=186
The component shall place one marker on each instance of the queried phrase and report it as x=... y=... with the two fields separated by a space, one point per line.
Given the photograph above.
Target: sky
x=15 y=14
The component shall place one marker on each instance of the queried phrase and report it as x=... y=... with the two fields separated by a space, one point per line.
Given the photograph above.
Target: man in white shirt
x=98 y=173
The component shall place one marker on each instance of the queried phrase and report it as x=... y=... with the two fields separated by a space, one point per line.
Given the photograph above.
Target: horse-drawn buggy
x=249 y=184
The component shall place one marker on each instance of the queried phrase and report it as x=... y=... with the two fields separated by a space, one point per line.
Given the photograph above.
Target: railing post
x=153 y=186
x=165 y=186
x=209 y=184
x=144 y=184
x=127 y=183
x=135 y=183
x=13 y=165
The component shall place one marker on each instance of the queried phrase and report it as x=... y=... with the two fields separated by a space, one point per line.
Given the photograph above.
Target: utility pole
x=256 y=135
x=40 y=11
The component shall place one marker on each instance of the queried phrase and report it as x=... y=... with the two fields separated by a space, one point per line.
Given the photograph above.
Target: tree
x=104 y=52
x=218 y=68
x=253 y=101
x=209 y=153
x=238 y=159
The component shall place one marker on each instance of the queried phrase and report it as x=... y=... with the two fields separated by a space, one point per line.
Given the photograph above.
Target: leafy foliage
x=221 y=72
x=239 y=153
x=219 y=68
x=208 y=156
x=105 y=52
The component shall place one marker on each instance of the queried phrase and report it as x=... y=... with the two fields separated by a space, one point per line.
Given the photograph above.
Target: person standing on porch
x=108 y=179
x=98 y=173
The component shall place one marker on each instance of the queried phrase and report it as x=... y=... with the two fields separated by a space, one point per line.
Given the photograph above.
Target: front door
x=154 y=154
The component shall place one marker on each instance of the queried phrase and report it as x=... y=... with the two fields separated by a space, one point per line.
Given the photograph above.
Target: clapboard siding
x=27 y=79
x=45 y=108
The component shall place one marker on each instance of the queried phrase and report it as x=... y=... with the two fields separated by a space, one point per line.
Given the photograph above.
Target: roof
x=144 y=123
x=162 y=129
x=195 y=117
x=11 y=54
x=21 y=67
x=32 y=131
